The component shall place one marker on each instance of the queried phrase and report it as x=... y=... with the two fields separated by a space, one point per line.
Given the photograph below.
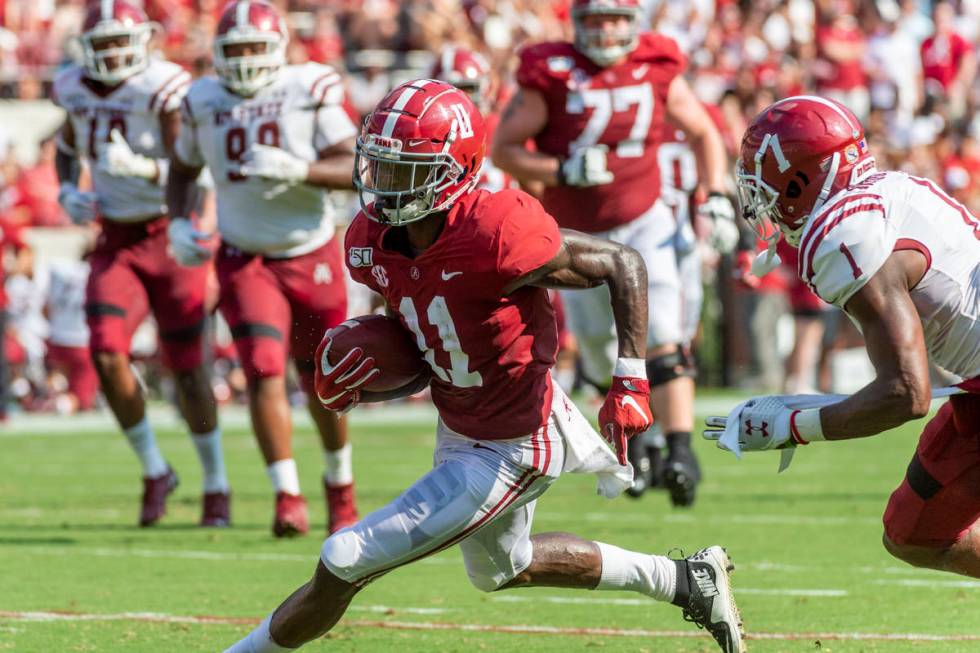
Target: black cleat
x=681 y=476
x=636 y=454
x=712 y=604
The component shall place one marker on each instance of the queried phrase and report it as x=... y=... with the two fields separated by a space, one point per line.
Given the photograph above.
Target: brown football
x=383 y=338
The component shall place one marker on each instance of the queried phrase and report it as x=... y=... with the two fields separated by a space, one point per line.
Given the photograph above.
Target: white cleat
x=712 y=603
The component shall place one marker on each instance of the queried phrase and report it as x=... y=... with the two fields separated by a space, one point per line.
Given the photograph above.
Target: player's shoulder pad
x=66 y=80
x=361 y=231
x=654 y=48
x=845 y=244
x=164 y=84
x=319 y=82
x=542 y=63
x=201 y=93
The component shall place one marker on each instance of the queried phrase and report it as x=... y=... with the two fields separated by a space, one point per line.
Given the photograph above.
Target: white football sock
x=208 y=447
x=258 y=641
x=337 y=470
x=655 y=576
x=144 y=443
x=283 y=475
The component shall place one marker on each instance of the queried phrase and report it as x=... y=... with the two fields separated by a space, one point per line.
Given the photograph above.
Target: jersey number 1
x=438 y=314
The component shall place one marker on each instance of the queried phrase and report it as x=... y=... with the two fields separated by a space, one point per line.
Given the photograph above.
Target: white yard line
x=641 y=602
x=156 y=617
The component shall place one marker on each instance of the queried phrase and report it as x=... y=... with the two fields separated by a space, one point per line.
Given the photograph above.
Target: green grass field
x=806 y=545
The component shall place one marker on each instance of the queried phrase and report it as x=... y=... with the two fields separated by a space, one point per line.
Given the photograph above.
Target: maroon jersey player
x=595 y=109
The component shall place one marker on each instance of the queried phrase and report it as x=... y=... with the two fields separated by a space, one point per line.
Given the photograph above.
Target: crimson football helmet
x=250 y=22
x=420 y=150
x=593 y=42
x=794 y=155
x=466 y=70
x=106 y=23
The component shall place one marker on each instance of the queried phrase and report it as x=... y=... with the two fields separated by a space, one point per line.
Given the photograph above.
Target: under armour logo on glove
x=625 y=413
x=764 y=429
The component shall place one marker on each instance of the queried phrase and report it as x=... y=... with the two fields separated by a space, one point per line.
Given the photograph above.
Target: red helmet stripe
x=241 y=14
x=401 y=103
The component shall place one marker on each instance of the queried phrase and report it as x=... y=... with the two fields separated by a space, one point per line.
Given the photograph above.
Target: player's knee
x=341 y=554
x=917 y=556
x=108 y=363
x=665 y=367
x=488 y=575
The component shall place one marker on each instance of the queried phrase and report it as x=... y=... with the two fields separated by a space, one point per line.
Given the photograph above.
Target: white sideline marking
x=158 y=617
x=916 y=582
x=583 y=600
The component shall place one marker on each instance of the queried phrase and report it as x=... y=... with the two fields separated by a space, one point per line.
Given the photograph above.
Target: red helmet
x=466 y=70
x=257 y=23
x=420 y=150
x=106 y=22
x=592 y=42
x=794 y=155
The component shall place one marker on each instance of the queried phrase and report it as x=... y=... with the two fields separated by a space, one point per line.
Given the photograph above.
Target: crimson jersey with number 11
x=621 y=106
x=490 y=353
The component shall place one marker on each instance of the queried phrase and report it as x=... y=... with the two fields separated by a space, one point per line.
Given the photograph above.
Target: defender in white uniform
x=275 y=138
x=902 y=259
x=122 y=119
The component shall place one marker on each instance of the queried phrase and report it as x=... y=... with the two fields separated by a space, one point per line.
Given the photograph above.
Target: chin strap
x=767 y=261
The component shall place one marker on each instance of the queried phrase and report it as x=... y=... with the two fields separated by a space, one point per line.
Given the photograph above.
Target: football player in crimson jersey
x=123 y=118
x=595 y=109
x=902 y=259
x=467 y=271
x=275 y=138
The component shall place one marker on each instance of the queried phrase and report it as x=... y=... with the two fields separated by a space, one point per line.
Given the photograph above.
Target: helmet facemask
x=117 y=61
x=404 y=186
x=591 y=41
x=245 y=74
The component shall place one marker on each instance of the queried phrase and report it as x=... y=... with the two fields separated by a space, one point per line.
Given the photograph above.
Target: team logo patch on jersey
x=559 y=64
x=851 y=153
x=380 y=276
x=360 y=257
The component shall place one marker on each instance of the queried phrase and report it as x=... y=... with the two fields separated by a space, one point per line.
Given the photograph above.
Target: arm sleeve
x=527 y=238
x=844 y=253
x=186 y=147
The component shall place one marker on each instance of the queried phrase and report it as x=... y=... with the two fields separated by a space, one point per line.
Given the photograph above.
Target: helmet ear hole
x=793 y=190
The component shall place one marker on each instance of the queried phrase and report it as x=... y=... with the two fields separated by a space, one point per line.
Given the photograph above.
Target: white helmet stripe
x=241 y=14
x=820 y=100
x=448 y=57
x=106 y=8
x=401 y=103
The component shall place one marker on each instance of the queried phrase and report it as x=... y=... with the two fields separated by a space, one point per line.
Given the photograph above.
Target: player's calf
x=307 y=614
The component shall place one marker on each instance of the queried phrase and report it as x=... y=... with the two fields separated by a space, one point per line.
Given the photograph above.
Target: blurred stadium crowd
x=906 y=67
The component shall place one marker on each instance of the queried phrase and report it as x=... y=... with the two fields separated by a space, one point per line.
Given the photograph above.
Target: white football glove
x=119 y=160
x=724 y=231
x=188 y=246
x=273 y=163
x=80 y=206
x=586 y=167
x=763 y=423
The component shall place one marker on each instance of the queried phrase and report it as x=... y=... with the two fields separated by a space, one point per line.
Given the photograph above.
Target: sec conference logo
x=380 y=276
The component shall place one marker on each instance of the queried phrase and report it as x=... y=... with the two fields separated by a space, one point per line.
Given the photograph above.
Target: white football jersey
x=134 y=108
x=301 y=112
x=66 y=303
x=847 y=242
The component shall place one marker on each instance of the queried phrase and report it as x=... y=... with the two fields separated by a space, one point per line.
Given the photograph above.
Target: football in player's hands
x=385 y=340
